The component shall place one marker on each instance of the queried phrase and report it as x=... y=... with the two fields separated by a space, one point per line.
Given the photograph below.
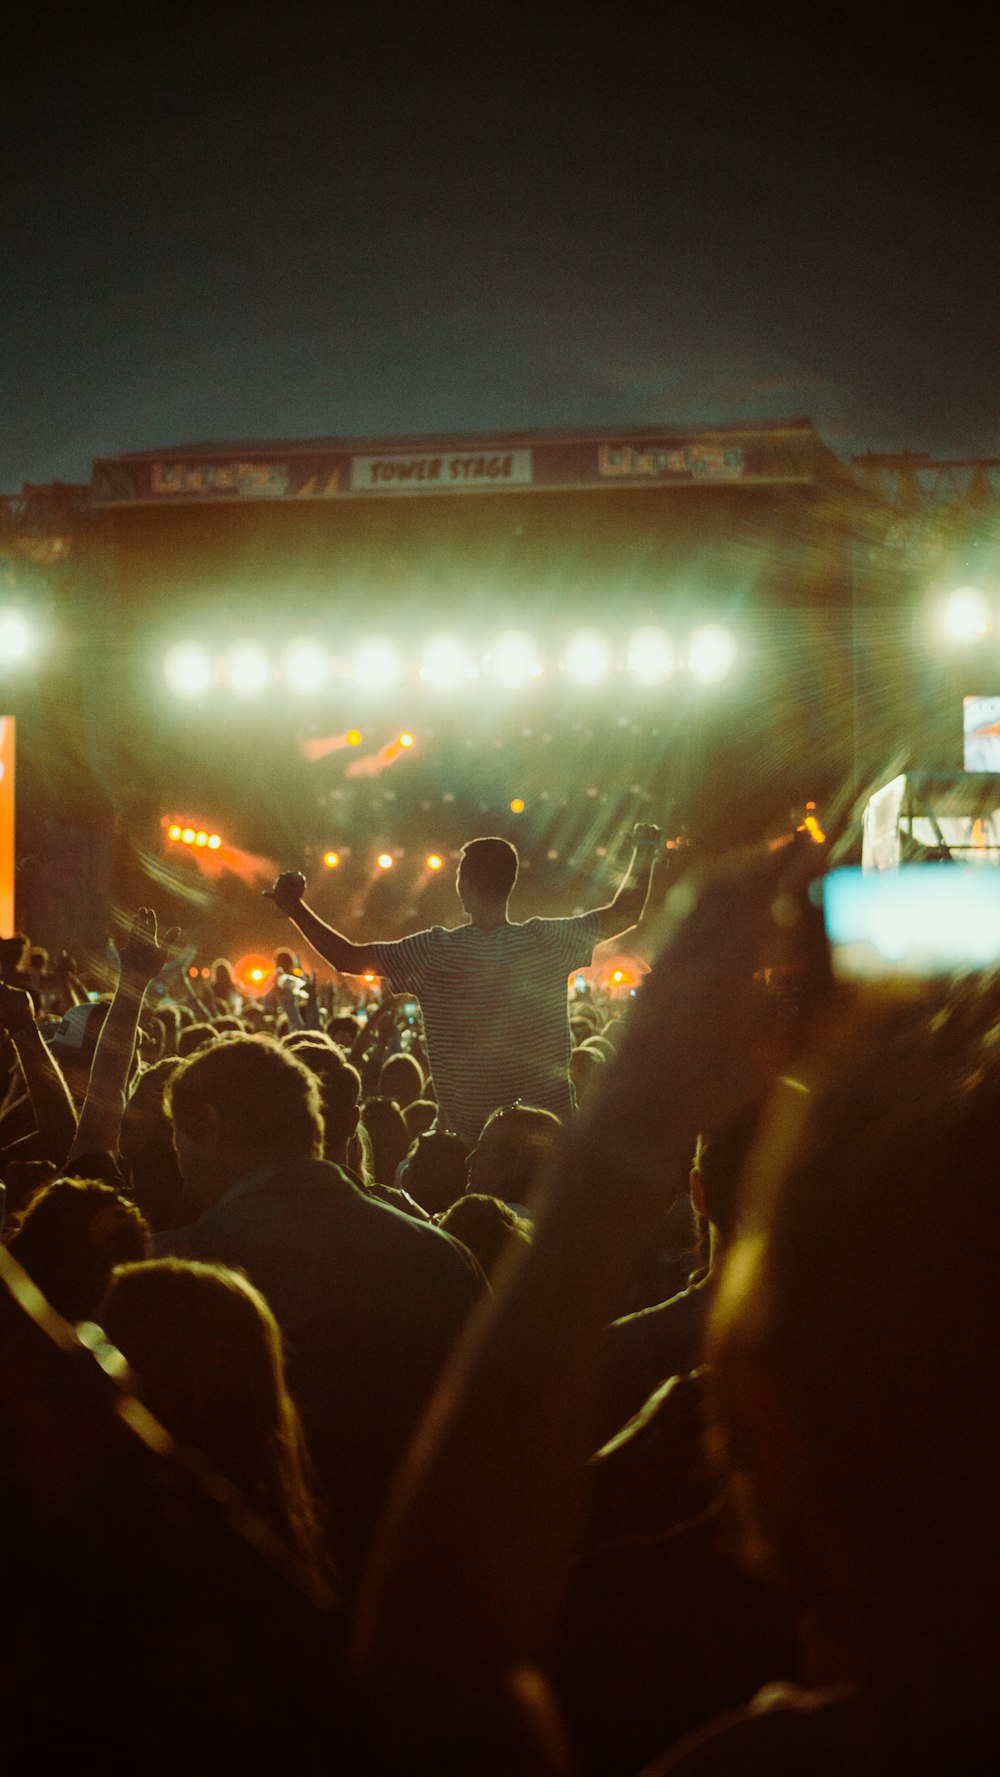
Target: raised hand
x=144 y=952
x=646 y=837
x=287 y=892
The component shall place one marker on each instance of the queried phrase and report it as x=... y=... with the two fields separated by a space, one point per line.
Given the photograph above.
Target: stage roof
x=338 y=469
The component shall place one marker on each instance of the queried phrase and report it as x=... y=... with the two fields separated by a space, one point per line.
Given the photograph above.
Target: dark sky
x=294 y=222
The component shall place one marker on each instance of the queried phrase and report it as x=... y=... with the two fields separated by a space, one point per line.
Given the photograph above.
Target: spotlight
x=331 y=859
x=174 y=831
x=15 y=637
x=406 y=738
x=711 y=652
x=253 y=973
x=967 y=615
x=376 y=664
x=513 y=660
x=214 y=841
x=248 y=669
x=201 y=839
x=650 y=656
x=384 y=860
x=187 y=836
x=588 y=658
x=446 y=663
x=304 y=666
x=353 y=737
x=517 y=806
x=434 y=862
x=187 y=669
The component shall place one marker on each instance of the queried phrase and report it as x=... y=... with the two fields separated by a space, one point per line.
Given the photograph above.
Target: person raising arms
x=492 y=991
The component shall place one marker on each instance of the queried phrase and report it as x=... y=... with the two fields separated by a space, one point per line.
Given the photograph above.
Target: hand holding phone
x=920 y=922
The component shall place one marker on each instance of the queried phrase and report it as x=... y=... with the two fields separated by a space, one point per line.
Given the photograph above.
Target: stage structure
x=701 y=625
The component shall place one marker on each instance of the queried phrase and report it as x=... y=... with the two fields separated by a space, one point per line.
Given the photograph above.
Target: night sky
x=300 y=222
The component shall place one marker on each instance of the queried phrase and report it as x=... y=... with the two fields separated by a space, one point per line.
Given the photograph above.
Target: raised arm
x=140 y=959
x=333 y=947
x=627 y=907
x=50 y=1097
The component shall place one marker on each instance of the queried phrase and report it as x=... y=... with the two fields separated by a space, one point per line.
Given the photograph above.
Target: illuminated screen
x=981 y=726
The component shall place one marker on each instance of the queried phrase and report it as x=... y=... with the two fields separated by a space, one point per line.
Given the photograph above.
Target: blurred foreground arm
x=515 y=1416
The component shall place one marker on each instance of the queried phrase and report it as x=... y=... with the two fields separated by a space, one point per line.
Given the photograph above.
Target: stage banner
x=7 y=926
x=441 y=472
x=553 y=462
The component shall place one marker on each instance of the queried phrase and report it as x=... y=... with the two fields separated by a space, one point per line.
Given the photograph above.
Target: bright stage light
x=446 y=663
x=513 y=660
x=711 y=652
x=187 y=836
x=353 y=737
x=303 y=666
x=188 y=669
x=406 y=738
x=214 y=841
x=331 y=859
x=651 y=656
x=517 y=806
x=248 y=669
x=15 y=637
x=588 y=658
x=967 y=615
x=174 y=831
x=376 y=664
x=434 y=862
x=384 y=860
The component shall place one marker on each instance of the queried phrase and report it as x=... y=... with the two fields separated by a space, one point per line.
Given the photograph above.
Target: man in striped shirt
x=493 y=992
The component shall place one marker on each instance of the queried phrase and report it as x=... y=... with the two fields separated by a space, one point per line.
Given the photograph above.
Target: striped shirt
x=496 y=1014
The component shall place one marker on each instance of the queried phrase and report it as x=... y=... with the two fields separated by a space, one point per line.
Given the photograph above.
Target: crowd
x=364 y=1409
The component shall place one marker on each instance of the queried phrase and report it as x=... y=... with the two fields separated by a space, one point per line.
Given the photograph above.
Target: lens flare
x=651 y=656
x=376 y=664
x=967 y=615
x=15 y=637
x=303 y=666
x=711 y=652
x=248 y=669
x=588 y=658
x=446 y=663
x=188 y=669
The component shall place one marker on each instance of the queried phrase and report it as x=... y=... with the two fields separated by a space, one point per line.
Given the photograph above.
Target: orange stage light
x=406 y=739
x=384 y=861
x=188 y=836
x=353 y=737
x=174 y=832
x=253 y=974
x=331 y=859
x=517 y=806
x=434 y=862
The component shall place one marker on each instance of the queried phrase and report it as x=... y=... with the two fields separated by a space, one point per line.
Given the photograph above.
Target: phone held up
x=918 y=922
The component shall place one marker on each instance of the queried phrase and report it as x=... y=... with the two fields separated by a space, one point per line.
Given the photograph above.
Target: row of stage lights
x=512 y=662
x=200 y=839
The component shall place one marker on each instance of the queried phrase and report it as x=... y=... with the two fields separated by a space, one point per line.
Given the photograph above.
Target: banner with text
x=429 y=472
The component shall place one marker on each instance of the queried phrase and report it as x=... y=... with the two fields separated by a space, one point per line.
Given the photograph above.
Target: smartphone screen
x=920 y=921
